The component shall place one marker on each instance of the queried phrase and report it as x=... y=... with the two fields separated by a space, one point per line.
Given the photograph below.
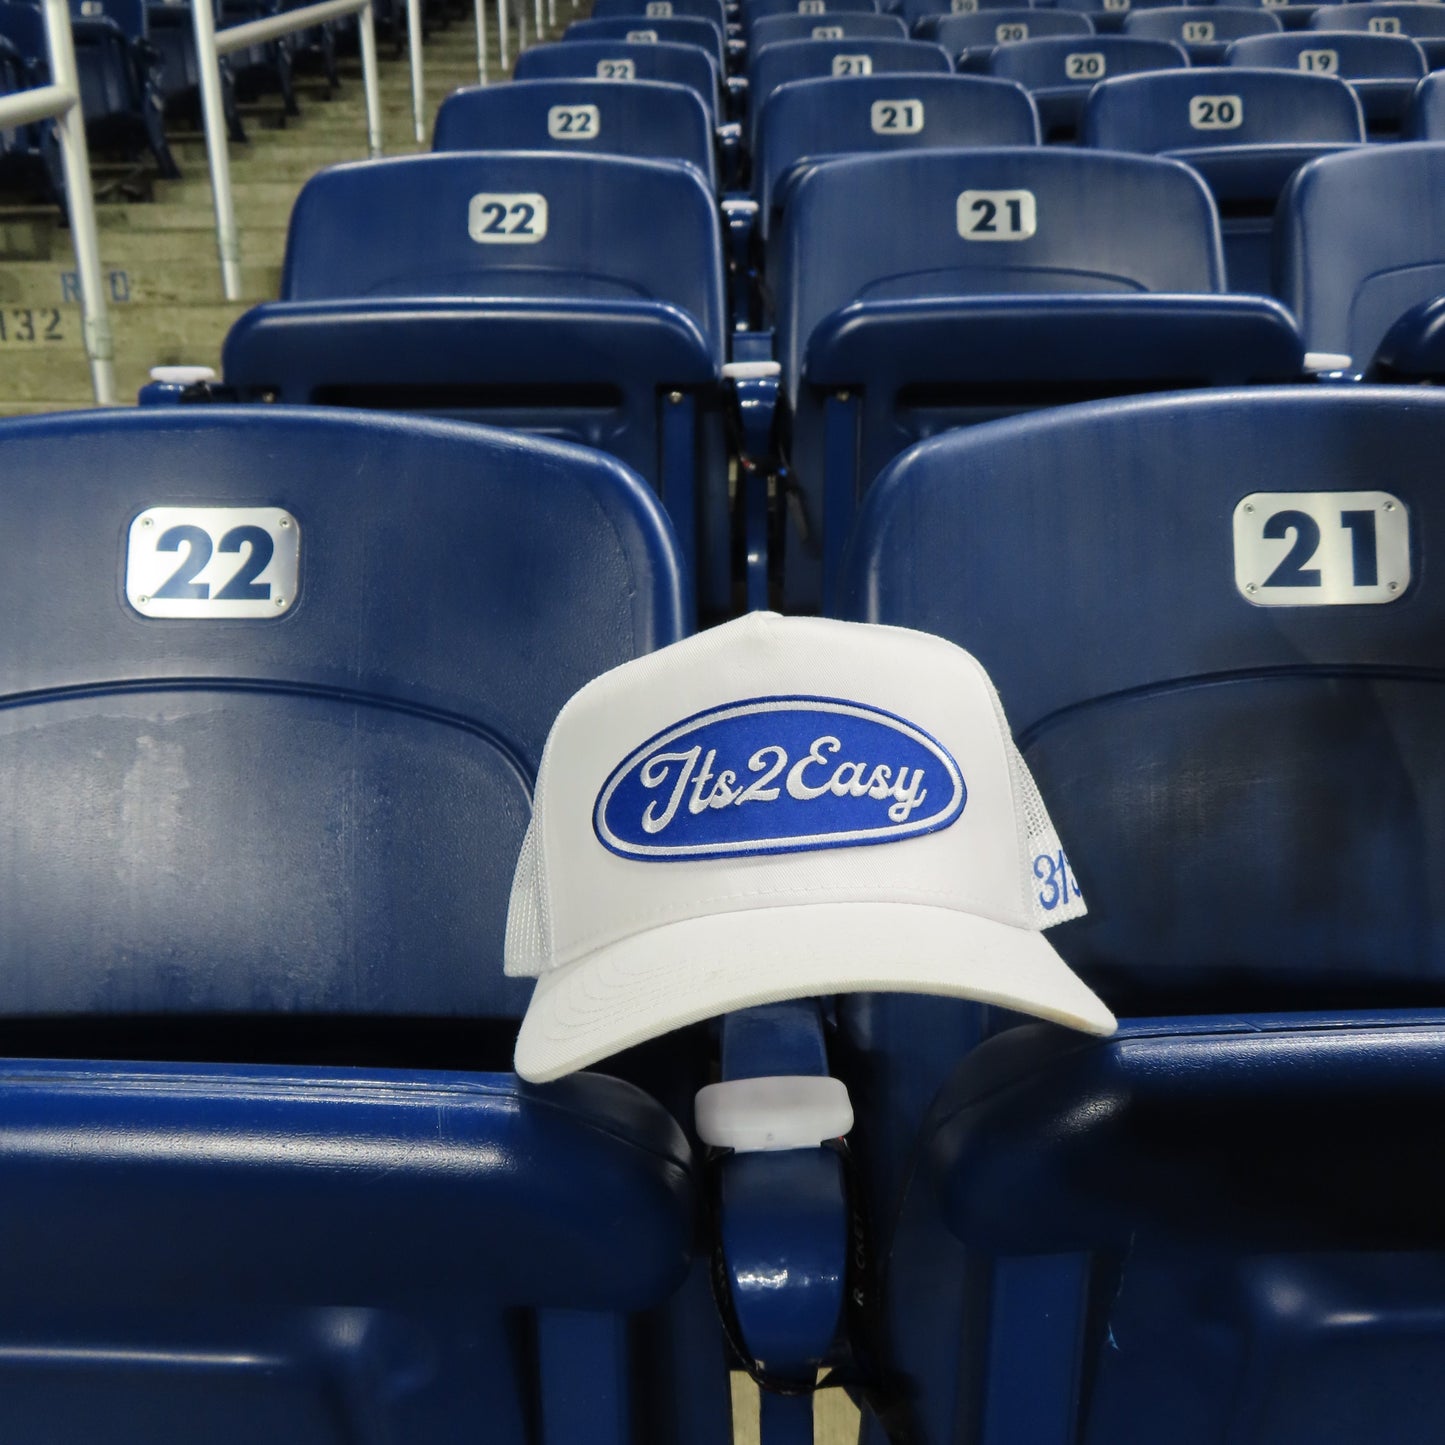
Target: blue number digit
x=498 y=214
x=243 y=587
x=179 y=585
x=1053 y=894
x=1363 y=553
x=524 y=226
x=1292 y=571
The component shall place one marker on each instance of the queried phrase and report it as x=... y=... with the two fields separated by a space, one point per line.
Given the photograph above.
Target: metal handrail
x=211 y=45
x=60 y=101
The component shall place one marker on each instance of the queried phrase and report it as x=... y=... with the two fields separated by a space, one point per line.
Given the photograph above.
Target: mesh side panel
x=1053 y=894
x=528 y=945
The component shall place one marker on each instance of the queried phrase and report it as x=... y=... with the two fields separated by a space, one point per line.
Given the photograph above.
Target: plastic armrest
x=1414 y=347
x=287 y=347
x=1216 y=340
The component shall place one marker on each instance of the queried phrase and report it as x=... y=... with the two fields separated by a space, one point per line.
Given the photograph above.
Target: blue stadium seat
x=972 y=39
x=849 y=25
x=624 y=60
x=1427 y=110
x=923 y=16
x=681 y=30
x=1211 y=1227
x=898 y=332
x=118 y=97
x=1245 y=131
x=1060 y=73
x=1293 y=14
x=754 y=10
x=642 y=118
x=268 y=861
x=1424 y=24
x=791 y=60
x=173 y=34
x=1383 y=70
x=1108 y=15
x=29 y=154
x=1366 y=291
x=662 y=9
x=808 y=121
x=525 y=289
x=1203 y=30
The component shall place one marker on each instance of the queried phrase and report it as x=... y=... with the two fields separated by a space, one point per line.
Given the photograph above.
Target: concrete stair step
x=40 y=284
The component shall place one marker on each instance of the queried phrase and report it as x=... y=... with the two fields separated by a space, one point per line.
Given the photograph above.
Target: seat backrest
x=841 y=25
x=130 y=15
x=1201 y=24
x=1063 y=62
x=1352 y=55
x=1185 y=110
x=1420 y=22
x=276 y=684
x=623 y=60
x=1082 y=213
x=1348 y=278
x=755 y=10
x=640 y=118
x=24 y=27
x=515 y=224
x=680 y=30
x=661 y=9
x=986 y=28
x=1214 y=625
x=853 y=115
x=1110 y=14
x=791 y=60
x=1427 y=109
x=922 y=15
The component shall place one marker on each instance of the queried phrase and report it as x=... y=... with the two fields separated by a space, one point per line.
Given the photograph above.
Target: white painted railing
x=60 y=101
x=211 y=44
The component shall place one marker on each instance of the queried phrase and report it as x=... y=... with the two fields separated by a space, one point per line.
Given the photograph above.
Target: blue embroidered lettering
x=809 y=761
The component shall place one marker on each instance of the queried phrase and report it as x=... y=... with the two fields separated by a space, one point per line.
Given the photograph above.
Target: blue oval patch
x=778 y=775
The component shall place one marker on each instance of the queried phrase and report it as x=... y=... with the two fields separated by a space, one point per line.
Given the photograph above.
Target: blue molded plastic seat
x=1109 y=15
x=1383 y=70
x=924 y=16
x=641 y=118
x=172 y=32
x=680 y=30
x=1245 y=131
x=754 y=10
x=269 y=861
x=29 y=154
x=1293 y=14
x=1203 y=30
x=1024 y=277
x=973 y=38
x=1427 y=110
x=114 y=66
x=1060 y=73
x=526 y=289
x=713 y=10
x=791 y=60
x=1211 y=1226
x=1371 y=292
x=1422 y=23
x=809 y=121
x=851 y=25
x=624 y=60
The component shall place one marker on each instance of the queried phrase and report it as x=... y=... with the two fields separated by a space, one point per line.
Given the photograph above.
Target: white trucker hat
x=776 y=808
